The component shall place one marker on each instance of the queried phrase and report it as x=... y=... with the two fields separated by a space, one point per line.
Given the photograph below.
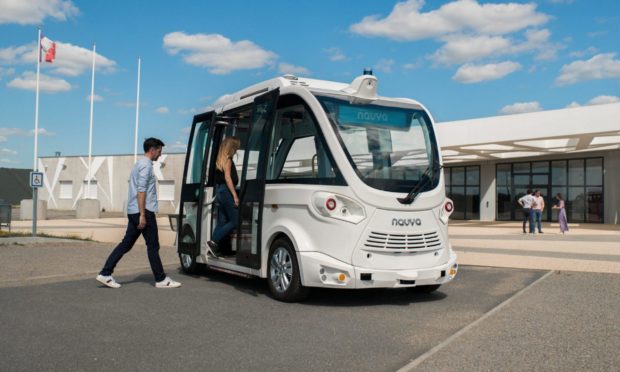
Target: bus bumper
x=320 y=270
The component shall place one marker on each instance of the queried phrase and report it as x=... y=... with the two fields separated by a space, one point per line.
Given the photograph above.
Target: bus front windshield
x=390 y=148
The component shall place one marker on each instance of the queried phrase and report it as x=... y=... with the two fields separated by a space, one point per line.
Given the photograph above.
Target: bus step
x=227 y=271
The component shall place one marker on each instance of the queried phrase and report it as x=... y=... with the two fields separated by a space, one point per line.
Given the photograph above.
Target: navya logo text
x=406 y=222
x=373 y=116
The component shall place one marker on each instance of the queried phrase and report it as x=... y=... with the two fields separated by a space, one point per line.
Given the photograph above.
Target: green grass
x=12 y=234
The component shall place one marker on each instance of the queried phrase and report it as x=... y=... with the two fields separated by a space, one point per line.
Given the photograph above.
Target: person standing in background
x=526 y=202
x=538 y=207
x=562 y=219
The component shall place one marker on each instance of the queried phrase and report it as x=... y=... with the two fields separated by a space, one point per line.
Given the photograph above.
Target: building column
x=487 y=191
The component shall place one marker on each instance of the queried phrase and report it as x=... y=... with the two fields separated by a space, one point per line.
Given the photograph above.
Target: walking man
x=141 y=209
x=526 y=201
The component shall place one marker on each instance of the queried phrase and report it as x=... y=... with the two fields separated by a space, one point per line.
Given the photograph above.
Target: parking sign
x=36 y=179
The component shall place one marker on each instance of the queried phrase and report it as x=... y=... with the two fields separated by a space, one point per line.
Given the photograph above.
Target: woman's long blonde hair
x=228 y=147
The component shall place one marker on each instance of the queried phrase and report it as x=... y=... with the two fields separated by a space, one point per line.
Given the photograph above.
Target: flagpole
x=36 y=137
x=90 y=132
x=135 y=144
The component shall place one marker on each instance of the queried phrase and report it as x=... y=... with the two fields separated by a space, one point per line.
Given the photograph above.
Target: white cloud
x=5 y=151
x=413 y=65
x=217 y=53
x=582 y=53
x=384 y=65
x=71 y=60
x=601 y=100
x=601 y=66
x=33 y=12
x=179 y=146
x=5 y=133
x=42 y=132
x=287 y=68
x=27 y=81
x=96 y=98
x=459 y=48
x=335 y=54
x=6 y=72
x=191 y=111
x=162 y=110
x=407 y=22
x=186 y=130
x=465 y=48
x=470 y=73
x=521 y=108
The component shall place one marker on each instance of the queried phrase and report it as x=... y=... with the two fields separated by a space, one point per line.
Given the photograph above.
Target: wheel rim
x=281 y=269
x=186 y=260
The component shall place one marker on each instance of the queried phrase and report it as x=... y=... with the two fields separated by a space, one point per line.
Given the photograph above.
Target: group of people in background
x=533 y=205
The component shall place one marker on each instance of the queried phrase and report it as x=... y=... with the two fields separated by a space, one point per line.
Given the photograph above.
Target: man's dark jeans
x=528 y=216
x=151 y=237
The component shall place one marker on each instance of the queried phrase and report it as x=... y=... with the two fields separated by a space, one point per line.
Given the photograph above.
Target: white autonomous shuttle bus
x=339 y=188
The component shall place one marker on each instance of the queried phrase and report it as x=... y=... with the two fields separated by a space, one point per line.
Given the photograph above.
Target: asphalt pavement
x=512 y=307
x=219 y=322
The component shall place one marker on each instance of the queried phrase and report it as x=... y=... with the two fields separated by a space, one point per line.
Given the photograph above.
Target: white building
x=488 y=162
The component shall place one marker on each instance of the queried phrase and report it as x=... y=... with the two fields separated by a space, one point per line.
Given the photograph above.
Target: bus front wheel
x=284 y=277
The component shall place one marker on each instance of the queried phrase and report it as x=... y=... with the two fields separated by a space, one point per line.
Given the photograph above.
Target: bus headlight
x=336 y=206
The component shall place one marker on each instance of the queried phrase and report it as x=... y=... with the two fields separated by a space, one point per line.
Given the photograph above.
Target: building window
x=580 y=181
x=463 y=187
x=90 y=192
x=166 y=190
x=66 y=190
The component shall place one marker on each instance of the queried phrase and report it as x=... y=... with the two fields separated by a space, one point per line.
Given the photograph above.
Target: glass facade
x=463 y=187
x=580 y=181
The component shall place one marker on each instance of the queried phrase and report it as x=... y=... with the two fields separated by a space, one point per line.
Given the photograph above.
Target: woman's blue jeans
x=227 y=213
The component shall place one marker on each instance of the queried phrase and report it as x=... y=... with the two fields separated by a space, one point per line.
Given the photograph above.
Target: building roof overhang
x=570 y=130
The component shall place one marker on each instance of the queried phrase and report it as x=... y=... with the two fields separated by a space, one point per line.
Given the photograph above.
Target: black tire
x=188 y=262
x=283 y=275
x=424 y=288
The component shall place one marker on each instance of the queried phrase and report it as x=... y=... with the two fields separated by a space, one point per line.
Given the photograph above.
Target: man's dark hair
x=151 y=142
x=529 y=191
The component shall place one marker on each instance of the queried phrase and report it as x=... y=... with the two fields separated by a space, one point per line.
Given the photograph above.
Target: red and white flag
x=49 y=48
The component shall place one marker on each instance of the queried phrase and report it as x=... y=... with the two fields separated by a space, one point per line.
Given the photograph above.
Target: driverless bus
x=339 y=188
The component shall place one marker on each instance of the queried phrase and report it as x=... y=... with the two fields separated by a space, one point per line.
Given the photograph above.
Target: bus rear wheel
x=283 y=274
x=188 y=261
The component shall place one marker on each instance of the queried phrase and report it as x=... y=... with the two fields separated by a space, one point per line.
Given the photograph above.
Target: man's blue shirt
x=142 y=179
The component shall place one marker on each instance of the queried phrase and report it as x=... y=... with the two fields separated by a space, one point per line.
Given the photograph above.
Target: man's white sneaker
x=108 y=280
x=167 y=283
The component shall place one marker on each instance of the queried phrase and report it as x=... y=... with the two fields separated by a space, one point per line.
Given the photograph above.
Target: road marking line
x=419 y=360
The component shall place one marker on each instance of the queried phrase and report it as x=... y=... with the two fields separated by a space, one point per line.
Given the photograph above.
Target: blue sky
x=463 y=59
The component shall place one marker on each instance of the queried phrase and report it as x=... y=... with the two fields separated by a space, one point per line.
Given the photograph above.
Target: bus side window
x=297 y=152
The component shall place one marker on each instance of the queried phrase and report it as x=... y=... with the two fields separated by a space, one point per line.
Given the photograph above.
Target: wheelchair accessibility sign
x=36 y=179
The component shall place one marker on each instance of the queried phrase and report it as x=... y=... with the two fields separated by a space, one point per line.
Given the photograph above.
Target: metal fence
x=5 y=216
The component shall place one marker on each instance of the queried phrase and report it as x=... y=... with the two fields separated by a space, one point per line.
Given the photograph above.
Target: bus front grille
x=388 y=242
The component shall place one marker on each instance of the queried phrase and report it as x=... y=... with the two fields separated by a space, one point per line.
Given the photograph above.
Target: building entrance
x=580 y=181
